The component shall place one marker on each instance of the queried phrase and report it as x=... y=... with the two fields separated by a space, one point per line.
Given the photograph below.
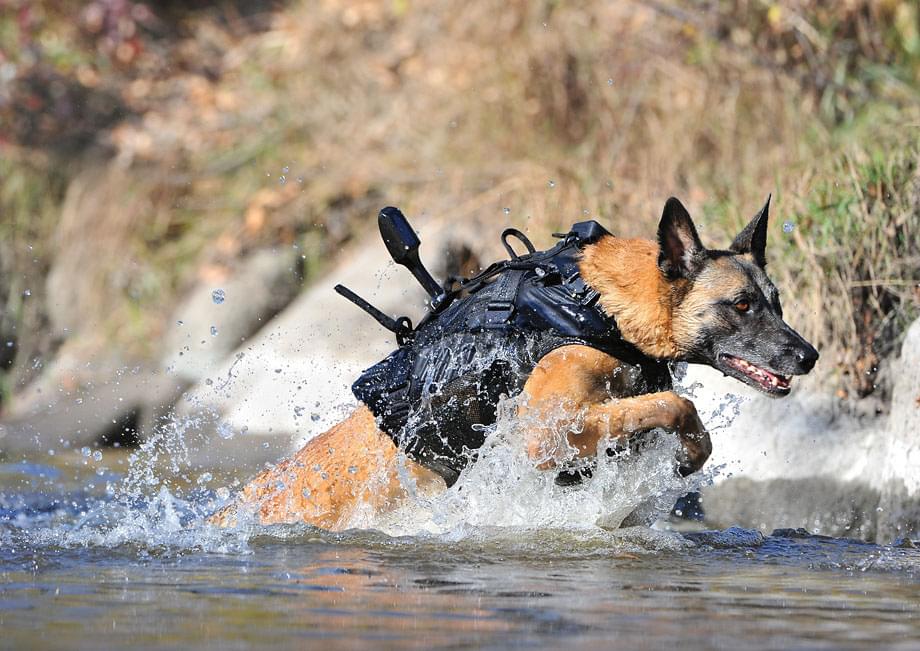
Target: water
x=110 y=551
x=634 y=588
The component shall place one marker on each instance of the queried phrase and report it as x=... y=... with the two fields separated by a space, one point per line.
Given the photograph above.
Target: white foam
x=503 y=488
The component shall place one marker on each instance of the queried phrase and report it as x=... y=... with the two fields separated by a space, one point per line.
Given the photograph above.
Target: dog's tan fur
x=354 y=463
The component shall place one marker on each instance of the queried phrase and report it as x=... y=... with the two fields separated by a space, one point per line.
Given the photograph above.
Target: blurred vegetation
x=179 y=136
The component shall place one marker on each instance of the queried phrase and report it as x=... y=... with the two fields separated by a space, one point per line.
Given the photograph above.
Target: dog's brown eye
x=742 y=306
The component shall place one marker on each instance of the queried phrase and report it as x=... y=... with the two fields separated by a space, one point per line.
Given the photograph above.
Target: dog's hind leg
x=324 y=482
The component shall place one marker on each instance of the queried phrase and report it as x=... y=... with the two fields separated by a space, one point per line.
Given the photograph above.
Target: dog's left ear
x=680 y=252
x=753 y=239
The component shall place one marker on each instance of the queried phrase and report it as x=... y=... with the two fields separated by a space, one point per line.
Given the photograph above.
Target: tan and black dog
x=673 y=300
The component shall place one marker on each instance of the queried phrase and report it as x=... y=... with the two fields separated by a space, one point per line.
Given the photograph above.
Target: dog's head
x=726 y=312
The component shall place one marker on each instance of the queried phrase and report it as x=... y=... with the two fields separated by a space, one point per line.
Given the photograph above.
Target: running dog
x=672 y=299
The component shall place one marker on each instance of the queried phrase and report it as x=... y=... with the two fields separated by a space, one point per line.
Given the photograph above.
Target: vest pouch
x=384 y=388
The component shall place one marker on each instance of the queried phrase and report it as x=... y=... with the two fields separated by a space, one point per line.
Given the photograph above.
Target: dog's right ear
x=680 y=252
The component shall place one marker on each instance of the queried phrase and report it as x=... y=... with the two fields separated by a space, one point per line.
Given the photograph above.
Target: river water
x=109 y=551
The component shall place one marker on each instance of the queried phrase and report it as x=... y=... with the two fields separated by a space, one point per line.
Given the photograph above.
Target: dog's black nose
x=806 y=356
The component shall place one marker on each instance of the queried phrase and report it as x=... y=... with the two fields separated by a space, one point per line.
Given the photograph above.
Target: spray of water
x=162 y=502
x=503 y=489
x=154 y=507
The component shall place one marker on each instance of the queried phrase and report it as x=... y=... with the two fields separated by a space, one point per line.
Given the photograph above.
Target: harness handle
x=401 y=327
x=518 y=235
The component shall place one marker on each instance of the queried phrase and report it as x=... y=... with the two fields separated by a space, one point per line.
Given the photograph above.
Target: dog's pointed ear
x=753 y=239
x=680 y=252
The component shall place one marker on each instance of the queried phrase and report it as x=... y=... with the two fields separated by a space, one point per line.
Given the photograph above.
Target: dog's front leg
x=623 y=418
x=577 y=381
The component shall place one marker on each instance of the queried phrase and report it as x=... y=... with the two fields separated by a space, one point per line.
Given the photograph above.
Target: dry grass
x=856 y=260
x=537 y=113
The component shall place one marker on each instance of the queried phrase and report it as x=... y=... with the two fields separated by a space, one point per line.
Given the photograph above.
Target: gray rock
x=204 y=331
x=900 y=501
x=115 y=406
x=821 y=505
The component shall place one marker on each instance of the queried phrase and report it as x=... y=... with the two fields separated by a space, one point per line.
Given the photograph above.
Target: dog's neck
x=633 y=291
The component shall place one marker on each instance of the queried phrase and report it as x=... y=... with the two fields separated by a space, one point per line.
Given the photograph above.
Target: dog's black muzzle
x=793 y=355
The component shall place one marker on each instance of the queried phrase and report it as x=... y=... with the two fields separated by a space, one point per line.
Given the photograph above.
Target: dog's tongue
x=762 y=376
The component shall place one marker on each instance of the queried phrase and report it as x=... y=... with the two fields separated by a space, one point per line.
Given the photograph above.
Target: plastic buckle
x=590 y=298
x=498 y=313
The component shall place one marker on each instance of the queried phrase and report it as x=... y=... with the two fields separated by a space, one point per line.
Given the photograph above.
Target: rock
x=820 y=504
x=85 y=404
x=213 y=320
x=82 y=287
x=900 y=477
x=113 y=407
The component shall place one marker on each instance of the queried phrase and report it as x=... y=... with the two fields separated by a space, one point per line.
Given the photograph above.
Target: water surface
x=83 y=566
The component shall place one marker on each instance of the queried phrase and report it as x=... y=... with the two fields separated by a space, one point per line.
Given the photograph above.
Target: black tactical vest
x=437 y=394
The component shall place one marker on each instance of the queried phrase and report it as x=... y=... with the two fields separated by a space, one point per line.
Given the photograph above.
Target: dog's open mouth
x=758 y=377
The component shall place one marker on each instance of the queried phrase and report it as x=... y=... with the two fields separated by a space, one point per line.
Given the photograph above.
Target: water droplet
x=586 y=212
x=610 y=82
x=507 y=211
x=285 y=169
x=223 y=492
x=224 y=431
x=300 y=180
x=218 y=296
x=551 y=184
x=324 y=475
x=306 y=492
x=352 y=470
x=282 y=179
x=314 y=417
x=179 y=323
x=97 y=456
x=788 y=226
x=28 y=292
x=213 y=331
x=85 y=451
x=204 y=478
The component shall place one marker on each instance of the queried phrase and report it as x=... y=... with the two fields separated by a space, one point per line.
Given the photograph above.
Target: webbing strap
x=500 y=309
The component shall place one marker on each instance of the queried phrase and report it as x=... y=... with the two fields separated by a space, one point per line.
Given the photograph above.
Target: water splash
x=504 y=489
x=161 y=504
x=156 y=507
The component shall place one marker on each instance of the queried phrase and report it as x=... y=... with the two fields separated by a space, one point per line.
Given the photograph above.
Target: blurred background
x=181 y=182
